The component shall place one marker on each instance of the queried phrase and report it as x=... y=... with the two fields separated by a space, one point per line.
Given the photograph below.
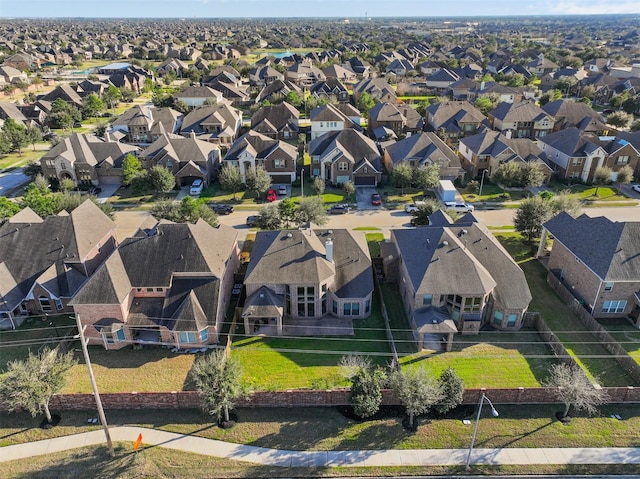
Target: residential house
x=574 y=154
x=376 y=88
x=489 y=149
x=279 y=122
x=598 y=260
x=219 y=124
x=187 y=158
x=195 y=96
x=142 y=124
x=10 y=111
x=455 y=277
x=424 y=149
x=10 y=74
x=64 y=92
x=23 y=62
x=330 y=88
x=232 y=91
x=567 y=114
x=307 y=282
x=254 y=149
x=346 y=155
x=542 y=66
x=521 y=120
x=279 y=90
x=172 y=64
x=262 y=76
x=304 y=74
x=340 y=73
x=361 y=68
x=454 y=119
x=327 y=118
x=400 y=67
x=43 y=262
x=168 y=285
x=399 y=119
x=86 y=159
x=442 y=79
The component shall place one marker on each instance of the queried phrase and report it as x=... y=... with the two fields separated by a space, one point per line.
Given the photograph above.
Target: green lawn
x=402 y=334
x=581 y=344
x=15 y=160
x=626 y=334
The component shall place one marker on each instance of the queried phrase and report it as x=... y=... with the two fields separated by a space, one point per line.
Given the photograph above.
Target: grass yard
x=581 y=344
x=626 y=334
x=34 y=334
x=402 y=334
x=15 y=160
x=276 y=363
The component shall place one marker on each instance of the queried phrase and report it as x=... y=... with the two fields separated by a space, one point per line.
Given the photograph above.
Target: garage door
x=281 y=179
x=364 y=181
x=110 y=180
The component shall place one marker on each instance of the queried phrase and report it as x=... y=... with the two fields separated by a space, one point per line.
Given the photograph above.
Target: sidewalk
x=274 y=457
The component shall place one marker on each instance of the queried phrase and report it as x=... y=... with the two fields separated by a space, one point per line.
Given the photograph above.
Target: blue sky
x=308 y=8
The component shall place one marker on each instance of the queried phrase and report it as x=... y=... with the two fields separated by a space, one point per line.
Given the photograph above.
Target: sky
x=305 y=8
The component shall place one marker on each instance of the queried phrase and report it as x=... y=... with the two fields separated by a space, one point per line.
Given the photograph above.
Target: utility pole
x=94 y=386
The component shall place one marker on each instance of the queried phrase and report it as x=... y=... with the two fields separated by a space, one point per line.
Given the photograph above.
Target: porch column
x=543 y=242
x=279 y=325
x=449 y=342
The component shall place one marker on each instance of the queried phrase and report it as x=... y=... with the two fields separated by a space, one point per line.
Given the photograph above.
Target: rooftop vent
x=445 y=243
x=289 y=235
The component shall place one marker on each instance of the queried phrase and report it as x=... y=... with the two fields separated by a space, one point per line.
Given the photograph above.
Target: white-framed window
x=45 y=304
x=622 y=160
x=617 y=306
x=511 y=319
x=343 y=166
x=279 y=163
x=427 y=299
x=204 y=335
x=608 y=286
x=187 y=336
x=576 y=161
x=497 y=317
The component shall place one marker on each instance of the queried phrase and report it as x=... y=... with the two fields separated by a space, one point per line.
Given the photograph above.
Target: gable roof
x=279 y=115
x=89 y=149
x=519 y=112
x=610 y=249
x=259 y=145
x=350 y=143
x=572 y=142
x=424 y=147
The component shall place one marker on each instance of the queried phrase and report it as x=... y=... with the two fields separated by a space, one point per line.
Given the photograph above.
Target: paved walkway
x=274 y=457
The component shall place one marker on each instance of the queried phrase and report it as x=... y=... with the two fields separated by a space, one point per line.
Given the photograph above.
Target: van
x=196 y=187
x=458 y=206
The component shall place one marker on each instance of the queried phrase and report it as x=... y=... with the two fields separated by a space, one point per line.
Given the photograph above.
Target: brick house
x=400 y=119
x=324 y=280
x=279 y=122
x=218 y=124
x=44 y=262
x=521 y=120
x=144 y=124
x=454 y=118
x=598 y=260
x=169 y=285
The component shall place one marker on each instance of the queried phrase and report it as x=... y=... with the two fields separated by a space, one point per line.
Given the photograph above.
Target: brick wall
x=309 y=398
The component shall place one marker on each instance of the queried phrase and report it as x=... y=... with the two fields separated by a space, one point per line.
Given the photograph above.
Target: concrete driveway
x=363 y=198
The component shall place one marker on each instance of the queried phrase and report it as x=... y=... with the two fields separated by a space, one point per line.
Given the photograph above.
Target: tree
x=218 y=379
x=112 y=96
x=425 y=209
x=550 y=96
x=516 y=80
x=161 y=179
x=365 y=103
x=487 y=102
x=573 y=389
x=507 y=174
x=293 y=98
x=620 y=119
x=625 y=175
x=230 y=179
x=416 y=389
x=258 y=180
x=67 y=184
x=318 y=186
x=426 y=177
x=34 y=135
x=565 y=201
x=131 y=167
x=32 y=169
x=401 y=176
x=31 y=383
x=16 y=135
x=311 y=210
x=635 y=126
x=188 y=210
x=532 y=173
x=92 y=106
x=38 y=200
x=127 y=95
x=601 y=177
x=270 y=217
x=530 y=216
x=366 y=391
x=287 y=210
x=7 y=209
x=473 y=187
x=349 y=189
x=452 y=388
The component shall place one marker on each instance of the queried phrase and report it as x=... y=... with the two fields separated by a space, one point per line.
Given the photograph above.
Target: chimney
x=107 y=137
x=192 y=135
x=482 y=85
x=508 y=133
x=329 y=247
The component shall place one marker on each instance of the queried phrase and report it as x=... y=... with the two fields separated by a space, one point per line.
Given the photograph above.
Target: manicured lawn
x=35 y=333
x=15 y=160
x=373 y=241
x=626 y=334
x=581 y=344
x=276 y=363
x=402 y=334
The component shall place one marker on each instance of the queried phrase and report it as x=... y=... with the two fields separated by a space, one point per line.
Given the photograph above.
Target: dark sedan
x=223 y=209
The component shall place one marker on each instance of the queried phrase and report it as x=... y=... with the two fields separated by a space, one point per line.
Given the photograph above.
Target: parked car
x=271 y=196
x=196 y=187
x=77 y=124
x=375 y=199
x=253 y=221
x=96 y=190
x=412 y=208
x=635 y=188
x=223 y=209
x=282 y=190
x=458 y=206
x=338 y=209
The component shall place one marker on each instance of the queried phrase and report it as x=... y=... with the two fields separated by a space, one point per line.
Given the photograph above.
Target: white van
x=458 y=206
x=196 y=187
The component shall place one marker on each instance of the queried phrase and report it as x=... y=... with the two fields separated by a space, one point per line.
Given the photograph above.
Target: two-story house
x=167 y=285
x=144 y=124
x=218 y=124
x=196 y=95
x=399 y=119
x=307 y=282
x=44 y=262
x=328 y=118
x=567 y=114
x=346 y=155
x=454 y=119
x=279 y=122
x=598 y=260
x=521 y=120
x=254 y=149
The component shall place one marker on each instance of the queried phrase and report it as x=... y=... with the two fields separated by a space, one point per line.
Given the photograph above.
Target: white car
x=196 y=187
x=412 y=208
x=459 y=206
x=635 y=188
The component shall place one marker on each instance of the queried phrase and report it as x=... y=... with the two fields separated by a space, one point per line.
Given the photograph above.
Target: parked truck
x=446 y=191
